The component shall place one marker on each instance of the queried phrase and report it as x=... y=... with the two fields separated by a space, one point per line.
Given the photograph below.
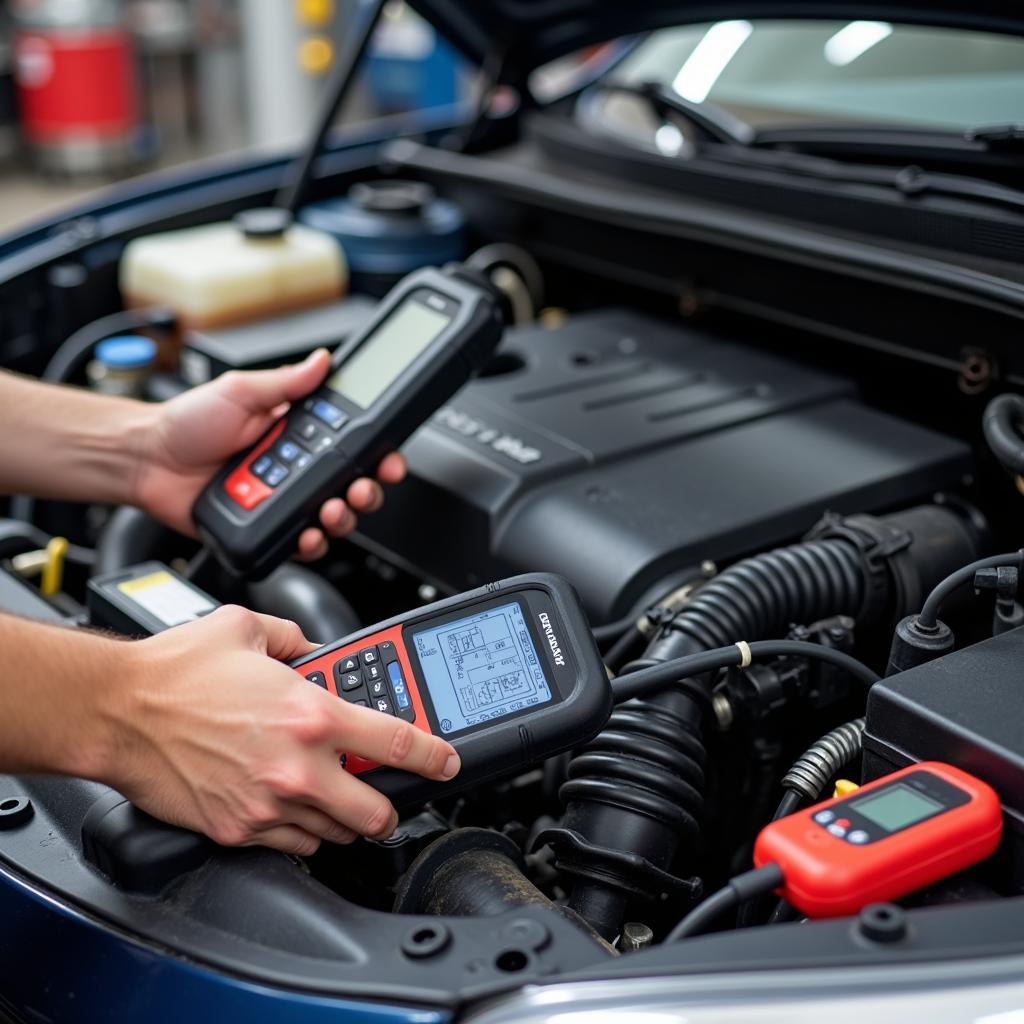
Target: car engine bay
x=716 y=444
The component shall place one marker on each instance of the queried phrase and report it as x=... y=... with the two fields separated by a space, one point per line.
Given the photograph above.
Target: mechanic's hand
x=214 y=734
x=196 y=432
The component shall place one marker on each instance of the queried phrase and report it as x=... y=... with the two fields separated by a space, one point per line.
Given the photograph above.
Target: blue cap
x=126 y=352
x=381 y=236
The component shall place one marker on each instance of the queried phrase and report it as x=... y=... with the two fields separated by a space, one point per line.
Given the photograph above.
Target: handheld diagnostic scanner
x=424 y=341
x=892 y=837
x=509 y=674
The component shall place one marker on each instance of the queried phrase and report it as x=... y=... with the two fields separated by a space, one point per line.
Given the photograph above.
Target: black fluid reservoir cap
x=265 y=222
x=392 y=197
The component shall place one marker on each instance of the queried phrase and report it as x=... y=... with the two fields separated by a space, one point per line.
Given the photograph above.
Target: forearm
x=61 y=442
x=59 y=693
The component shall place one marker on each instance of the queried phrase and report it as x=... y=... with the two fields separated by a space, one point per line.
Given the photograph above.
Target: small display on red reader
x=509 y=674
x=892 y=837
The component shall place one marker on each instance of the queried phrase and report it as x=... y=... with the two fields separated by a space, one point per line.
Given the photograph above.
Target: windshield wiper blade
x=730 y=140
x=999 y=138
x=989 y=146
x=909 y=179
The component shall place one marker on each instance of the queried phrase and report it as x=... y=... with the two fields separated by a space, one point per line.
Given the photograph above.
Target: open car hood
x=528 y=33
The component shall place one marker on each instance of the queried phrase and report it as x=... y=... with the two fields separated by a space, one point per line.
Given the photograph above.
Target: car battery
x=965 y=709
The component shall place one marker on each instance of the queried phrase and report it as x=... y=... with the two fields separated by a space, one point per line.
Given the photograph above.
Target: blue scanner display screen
x=481 y=667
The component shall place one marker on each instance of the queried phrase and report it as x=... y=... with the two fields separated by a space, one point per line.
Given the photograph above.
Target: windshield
x=781 y=74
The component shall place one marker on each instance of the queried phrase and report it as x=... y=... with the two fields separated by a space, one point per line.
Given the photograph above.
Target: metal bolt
x=722 y=708
x=635 y=935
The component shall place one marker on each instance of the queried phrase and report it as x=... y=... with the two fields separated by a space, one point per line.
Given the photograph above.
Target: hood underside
x=528 y=33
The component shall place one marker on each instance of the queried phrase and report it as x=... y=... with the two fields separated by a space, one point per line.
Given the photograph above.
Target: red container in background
x=77 y=85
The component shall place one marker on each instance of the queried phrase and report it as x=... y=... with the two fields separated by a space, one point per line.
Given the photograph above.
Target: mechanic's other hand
x=213 y=733
x=197 y=432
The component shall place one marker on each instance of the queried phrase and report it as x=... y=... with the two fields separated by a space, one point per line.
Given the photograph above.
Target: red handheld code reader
x=892 y=837
x=509 y=674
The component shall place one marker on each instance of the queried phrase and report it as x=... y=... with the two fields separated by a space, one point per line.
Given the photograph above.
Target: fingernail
x=451 y=766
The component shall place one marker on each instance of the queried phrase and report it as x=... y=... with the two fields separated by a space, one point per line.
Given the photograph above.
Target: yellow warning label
x=154 y=579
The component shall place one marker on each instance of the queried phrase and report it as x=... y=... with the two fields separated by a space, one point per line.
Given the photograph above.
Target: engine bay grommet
x=426 y=940
x=15 y=811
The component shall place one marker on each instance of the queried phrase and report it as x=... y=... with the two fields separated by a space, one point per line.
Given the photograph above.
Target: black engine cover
x=617 y=449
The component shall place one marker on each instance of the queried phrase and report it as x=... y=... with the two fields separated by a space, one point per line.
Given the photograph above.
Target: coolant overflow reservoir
x=259 y=265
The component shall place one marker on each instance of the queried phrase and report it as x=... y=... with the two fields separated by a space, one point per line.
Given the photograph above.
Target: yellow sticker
x=169 y=599
x=154 y=579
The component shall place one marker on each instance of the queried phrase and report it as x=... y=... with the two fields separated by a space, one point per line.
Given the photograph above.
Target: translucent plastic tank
x=257 y=266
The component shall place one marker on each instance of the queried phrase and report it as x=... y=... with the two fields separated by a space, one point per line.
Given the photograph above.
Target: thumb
x=231 y=626
x=260 y=391
x=283 y=639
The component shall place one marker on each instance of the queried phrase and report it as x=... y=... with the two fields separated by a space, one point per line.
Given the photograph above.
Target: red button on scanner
x=243 y=488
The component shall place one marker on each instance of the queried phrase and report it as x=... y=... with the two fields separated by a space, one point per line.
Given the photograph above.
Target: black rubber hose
x=654 y=678
x=475 y=872
x=611 y=631
x=623 y=647
x=789 y=803
x=636 y=791
x=929 y=614
x=635 y=794
x=1003 y=425
x=767 y=593
x=298 y=593
x=743 y=887
x=78 y=347
x=293 y=592
x=130 y=536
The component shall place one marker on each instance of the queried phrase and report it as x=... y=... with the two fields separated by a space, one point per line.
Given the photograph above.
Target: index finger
x=391 y=741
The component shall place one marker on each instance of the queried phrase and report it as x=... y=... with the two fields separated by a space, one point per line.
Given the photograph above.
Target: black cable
x=298 y=174
x=784 y=911
x=929 y=613
x=747 y=886
x=788 y=804
x=199 y=566
x=1001 y=423
x=519 y=261
x=662 y=676
x=69 y=357
x=623 y=647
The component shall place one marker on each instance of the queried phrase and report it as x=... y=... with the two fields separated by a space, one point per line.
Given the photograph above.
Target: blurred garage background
x=93 y=91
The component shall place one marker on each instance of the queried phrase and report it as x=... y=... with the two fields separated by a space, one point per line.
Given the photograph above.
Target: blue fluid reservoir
x=388 y=229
